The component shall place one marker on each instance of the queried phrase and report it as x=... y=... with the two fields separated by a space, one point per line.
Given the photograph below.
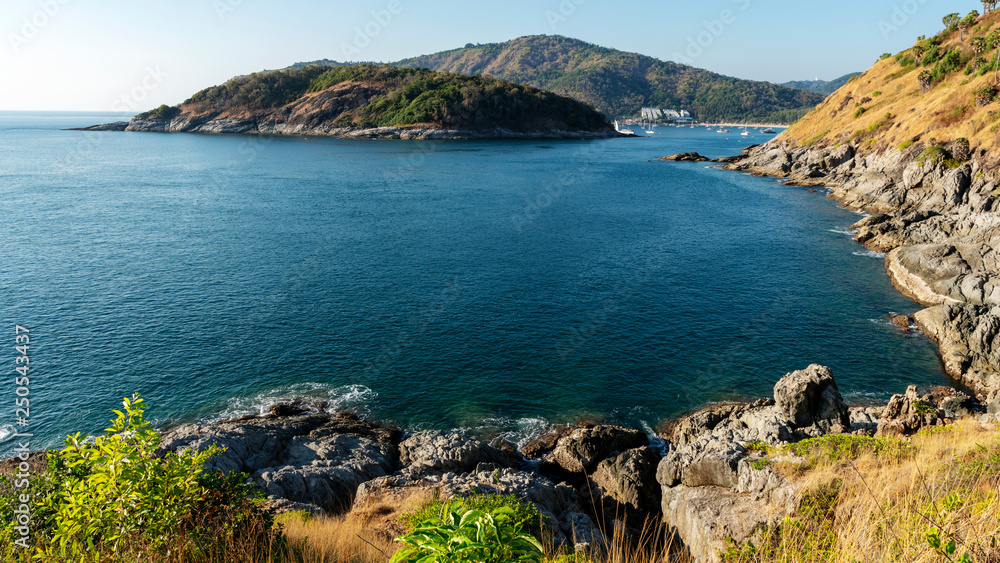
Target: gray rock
x=434 y=451
x=581 y=450
x=630 y=480
x=316 y=459
x=810 y=397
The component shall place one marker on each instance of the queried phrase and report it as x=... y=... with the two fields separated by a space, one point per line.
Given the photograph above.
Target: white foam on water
x=848 y=232
x=655 y=441
x=7 y=432
x=870 y=254
x=518 y=431
x=334 y=398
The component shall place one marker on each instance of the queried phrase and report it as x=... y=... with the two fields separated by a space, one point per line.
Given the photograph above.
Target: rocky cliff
x=938 y=224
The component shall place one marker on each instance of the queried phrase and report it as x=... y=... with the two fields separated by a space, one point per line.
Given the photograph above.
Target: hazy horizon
x=61 y=55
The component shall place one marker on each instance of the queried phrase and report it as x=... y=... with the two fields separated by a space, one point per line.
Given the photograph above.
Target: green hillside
x=367 y=96
x=620 y=83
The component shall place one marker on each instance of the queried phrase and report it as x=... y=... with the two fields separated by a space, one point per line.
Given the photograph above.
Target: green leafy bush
x=465 y=534
x=524 y=513
x=115 y=490
x=934 y=154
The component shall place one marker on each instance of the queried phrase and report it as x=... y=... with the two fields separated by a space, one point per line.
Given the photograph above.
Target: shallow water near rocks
x=495 y=286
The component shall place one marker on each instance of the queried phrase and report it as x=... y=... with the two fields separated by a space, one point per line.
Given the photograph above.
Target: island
x=375 y=102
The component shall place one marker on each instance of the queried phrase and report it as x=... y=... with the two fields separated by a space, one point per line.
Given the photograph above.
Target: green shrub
x=467 y=534
x=905 y=145
x=524 y=513
x=885 y=56
x=162 y=112
x=934 y=154
x=860 y=111
x=115 y=490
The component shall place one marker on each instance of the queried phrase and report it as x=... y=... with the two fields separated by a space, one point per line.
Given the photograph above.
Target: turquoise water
x=500 y=286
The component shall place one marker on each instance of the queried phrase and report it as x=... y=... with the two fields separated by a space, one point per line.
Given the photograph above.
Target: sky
x=133 y=55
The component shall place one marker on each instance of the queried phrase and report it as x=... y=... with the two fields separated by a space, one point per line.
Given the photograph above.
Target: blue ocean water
x=493 y=285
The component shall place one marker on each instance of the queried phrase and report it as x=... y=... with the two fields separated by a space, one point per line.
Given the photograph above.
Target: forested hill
x=620 y=83
x=822 y=87
x=342 y=99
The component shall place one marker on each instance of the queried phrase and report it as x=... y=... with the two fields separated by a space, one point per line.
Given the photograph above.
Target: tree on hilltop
x=967 y=22
x=950 y=21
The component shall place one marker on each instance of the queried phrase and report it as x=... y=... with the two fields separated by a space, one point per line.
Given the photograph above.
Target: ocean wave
x=517 y=431
x=7 y=432
x=870 y=254
x=655 y=441
x=319 y=397
x=844 y=231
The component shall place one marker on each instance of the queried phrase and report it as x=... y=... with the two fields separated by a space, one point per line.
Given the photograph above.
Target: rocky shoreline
x=251 y=126
x=698 y=476
x=938 y=224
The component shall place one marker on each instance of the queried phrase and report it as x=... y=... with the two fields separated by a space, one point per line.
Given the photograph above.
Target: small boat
x=769 y=131
x=745 y=133
x=722 y=131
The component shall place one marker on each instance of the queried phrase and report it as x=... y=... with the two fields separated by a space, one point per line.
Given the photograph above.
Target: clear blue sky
x=132 y=55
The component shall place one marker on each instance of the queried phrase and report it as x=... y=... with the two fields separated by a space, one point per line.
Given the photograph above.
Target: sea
x=499 y=287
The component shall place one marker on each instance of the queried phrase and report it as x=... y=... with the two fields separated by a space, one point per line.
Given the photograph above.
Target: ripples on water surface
x=499 y=286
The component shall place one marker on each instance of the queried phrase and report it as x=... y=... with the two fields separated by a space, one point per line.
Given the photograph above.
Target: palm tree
x=986 y=5
x=918 y=53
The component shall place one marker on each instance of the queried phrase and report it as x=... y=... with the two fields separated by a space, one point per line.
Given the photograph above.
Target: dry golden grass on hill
x=882 y=505
x=897 y=110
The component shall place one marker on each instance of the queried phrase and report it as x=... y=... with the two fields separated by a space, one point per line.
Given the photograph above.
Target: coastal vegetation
x=932 y=497
x=116 y=498
x=941 y=89
x=368 y=96
x=620 y=83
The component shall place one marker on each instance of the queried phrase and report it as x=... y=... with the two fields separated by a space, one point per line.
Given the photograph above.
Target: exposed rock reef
x=939 y=225
x=700 y=476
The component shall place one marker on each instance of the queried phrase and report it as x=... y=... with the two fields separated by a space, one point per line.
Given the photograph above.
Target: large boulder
x=582 y=449
x=630 y=480
x=433 y=451
x=810 y=397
